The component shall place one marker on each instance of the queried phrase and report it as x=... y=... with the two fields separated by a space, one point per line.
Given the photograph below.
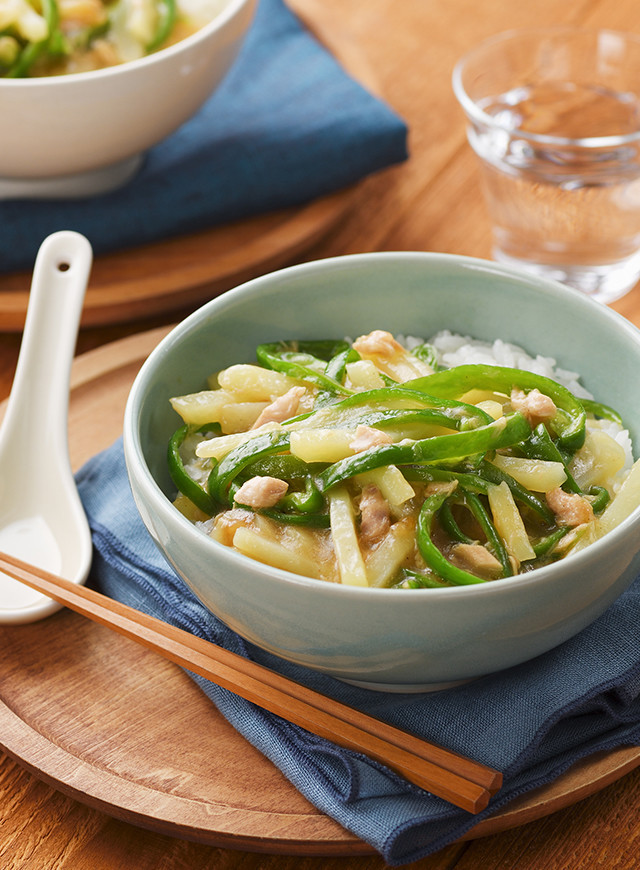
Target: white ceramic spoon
x=42 y=520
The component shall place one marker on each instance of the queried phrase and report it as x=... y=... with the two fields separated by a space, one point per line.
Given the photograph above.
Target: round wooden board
x=180 y=272
x=122 y=730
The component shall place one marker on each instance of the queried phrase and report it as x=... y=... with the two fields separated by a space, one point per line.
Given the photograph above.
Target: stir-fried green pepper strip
x=473 y=503
x=336 y=370
x=285 y=466
x=540 y=445
x=603 y=411
x=430 y=553
x=426 y=353
x=496 y=543
x=423 y=580
x=185 y=484
x=499 y=433
x=545 y=545
x=306 y=361
x=569 y=421
x=304 y=518
x=310 y=500
x=167 y=13
x=262 y=456
x=337 y=366
x=302 y=513
x=231 y=465
x=600 y=498
x=400 y=398
x=449 y=524
x=428 y=473
x=495 y=475
x=340 y=418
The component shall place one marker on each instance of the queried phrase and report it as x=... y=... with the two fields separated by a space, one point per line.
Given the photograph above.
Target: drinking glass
x=554 y=118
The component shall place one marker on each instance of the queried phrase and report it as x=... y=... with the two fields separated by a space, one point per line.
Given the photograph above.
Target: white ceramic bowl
x=404 y=640
x=85 y=133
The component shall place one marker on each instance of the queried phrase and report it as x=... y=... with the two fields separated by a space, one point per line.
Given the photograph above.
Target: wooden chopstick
x=458 y=780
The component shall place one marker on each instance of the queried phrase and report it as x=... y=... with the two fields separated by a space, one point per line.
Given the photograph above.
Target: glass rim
x=476 y=114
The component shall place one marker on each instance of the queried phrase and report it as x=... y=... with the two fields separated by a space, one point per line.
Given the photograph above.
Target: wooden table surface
x=433 y=203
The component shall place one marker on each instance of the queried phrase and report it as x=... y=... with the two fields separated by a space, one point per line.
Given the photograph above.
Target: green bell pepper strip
x=303 y=362
x=313 y=519
x=437 y=449
x=431 y=554
x=603 y=411
x=257 y=459
x=336 y=369
x=570 y=418
x=394 y=397
x=545 y=545
x=495 y=541
x=494 y=475
x=473 y=503
x=420 y=580
x=286 y=466
x=323 y=350
x=231 y=465
x=399 y=418
x=429 y=473
x=184 y=483
x=449 y=524
x=600 y=498
x=364 y=408
x=310 y=500
x=540 y=445
x=33 y=50
x=426 y=353
x=166 y=21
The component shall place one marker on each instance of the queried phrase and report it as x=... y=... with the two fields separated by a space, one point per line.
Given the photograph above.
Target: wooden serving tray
x=123 y=731
x=178 y=273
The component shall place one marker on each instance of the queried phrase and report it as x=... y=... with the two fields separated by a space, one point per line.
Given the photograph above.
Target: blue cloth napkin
x=532 y=721
x=286 y=126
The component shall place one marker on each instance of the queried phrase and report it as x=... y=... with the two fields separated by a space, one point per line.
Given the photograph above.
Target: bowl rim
x=137 y=467
x=229 y=11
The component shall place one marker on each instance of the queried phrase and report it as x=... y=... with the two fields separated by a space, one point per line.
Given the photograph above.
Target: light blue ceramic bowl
x=388 y=639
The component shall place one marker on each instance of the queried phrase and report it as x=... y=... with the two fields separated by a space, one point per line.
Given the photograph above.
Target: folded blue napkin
x=286 y=126
x=532 y=722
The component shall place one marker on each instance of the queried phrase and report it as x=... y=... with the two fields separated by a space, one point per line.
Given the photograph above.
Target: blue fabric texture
x=532 y=722
x=286 y=126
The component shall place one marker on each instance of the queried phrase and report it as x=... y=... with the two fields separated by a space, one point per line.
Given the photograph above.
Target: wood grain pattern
x=463 y=782
x=433 y=202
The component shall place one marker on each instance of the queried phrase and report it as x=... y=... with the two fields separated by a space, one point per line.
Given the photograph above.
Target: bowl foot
x=408 y=688
x=74 y=186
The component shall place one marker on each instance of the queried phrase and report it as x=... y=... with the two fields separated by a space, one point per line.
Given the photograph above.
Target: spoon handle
x=39 y=397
